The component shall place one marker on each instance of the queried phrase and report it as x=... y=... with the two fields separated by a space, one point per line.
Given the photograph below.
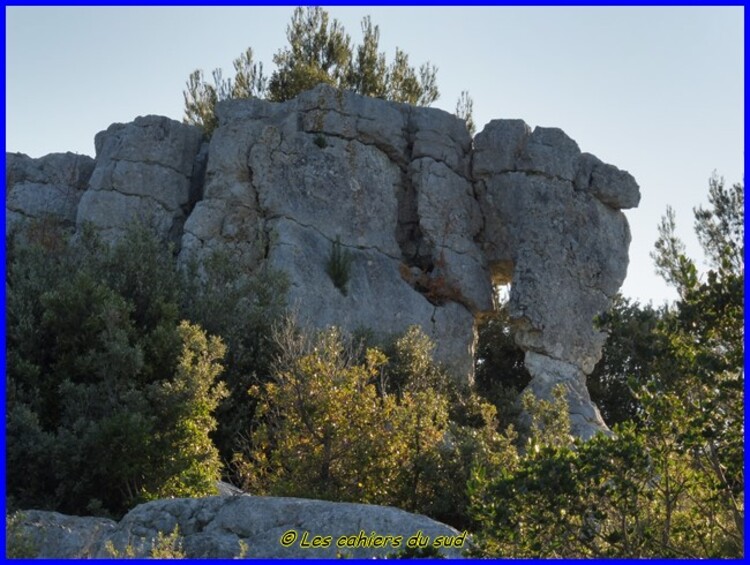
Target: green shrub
x=167 y=546
x=339 y=265
x=95 y=417
x=500 y=373
x=319 y=51
x=242 y=308
x=320 y=141
x=649 y=491
x=340 y=423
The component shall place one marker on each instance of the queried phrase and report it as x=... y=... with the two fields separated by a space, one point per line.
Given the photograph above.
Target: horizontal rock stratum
x=430 y=218
x=240 y=526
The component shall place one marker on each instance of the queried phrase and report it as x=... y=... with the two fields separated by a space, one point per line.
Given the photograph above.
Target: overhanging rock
x=554 y=230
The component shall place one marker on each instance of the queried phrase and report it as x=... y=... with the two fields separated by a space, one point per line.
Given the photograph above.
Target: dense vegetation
x=112 y=396
x=319 y=51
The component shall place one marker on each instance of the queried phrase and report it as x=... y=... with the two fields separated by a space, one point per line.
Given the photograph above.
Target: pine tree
x=318 y=51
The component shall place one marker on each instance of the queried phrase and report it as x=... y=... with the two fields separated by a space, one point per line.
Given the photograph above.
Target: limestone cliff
x=428 y=218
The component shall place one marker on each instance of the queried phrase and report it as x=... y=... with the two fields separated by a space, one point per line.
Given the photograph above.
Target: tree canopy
x=319 y=50
x=110 y=396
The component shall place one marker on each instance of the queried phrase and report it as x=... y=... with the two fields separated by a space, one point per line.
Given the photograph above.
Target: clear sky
x=658 y=92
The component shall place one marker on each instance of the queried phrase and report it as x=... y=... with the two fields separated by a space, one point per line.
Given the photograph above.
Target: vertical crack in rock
x=195 y=194
x=416 y=252
x=264 y=237
x=197 y=179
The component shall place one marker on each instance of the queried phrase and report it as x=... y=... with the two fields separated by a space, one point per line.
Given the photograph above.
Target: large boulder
x=48 y=188
x=147 y=172
x=241 y=526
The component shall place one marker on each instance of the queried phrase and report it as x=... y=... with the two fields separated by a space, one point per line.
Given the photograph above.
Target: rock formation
x=47 y=188
x=146 y=171
x=230 y=526
x=553 y=229
x=427 y=218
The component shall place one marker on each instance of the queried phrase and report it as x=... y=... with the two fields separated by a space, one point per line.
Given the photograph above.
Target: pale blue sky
x=656 y=91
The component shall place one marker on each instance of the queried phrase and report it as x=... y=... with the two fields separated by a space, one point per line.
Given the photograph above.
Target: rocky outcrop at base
x=240 y=526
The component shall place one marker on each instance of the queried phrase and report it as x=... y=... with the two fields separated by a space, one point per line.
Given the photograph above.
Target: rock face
x=148 y=171
x=426 y=218
x=46 y=188
x=388 y=182
x=234 y=526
